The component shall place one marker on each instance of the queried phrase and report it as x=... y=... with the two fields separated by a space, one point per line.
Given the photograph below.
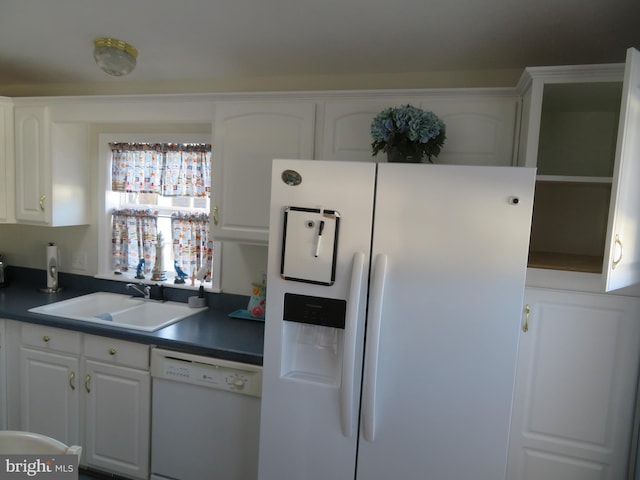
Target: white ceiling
x=51 y=41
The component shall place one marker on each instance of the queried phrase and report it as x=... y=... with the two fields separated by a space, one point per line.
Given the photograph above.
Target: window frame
x=107 y=201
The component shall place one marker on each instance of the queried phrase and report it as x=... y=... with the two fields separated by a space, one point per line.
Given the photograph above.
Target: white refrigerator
x=394 y=304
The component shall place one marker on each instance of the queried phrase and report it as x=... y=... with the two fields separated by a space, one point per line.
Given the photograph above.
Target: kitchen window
x=157 y=194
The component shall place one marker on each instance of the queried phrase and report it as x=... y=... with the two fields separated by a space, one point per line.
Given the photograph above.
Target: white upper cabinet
x=52 y=169
x=480 y=127
x=580 y=129
x=7 y=184
x=247 y=137
x=622 y=247
x=346 y=129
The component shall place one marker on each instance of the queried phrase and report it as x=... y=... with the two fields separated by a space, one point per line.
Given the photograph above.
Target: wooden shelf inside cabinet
x=565 y=261
x=573 y=179
x=569 y=224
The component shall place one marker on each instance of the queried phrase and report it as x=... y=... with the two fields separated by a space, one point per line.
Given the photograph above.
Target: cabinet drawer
x=117 y=352
x=51 y=338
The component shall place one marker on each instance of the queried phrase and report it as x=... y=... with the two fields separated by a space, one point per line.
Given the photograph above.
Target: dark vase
x=406 y=154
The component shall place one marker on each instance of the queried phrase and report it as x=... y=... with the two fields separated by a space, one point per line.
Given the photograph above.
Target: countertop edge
x=209 y=333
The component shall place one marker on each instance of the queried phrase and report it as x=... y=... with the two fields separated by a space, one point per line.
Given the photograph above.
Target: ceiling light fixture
x=115 y=57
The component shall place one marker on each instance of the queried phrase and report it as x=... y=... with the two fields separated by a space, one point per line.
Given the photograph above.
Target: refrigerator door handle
x=371 y=351
x=349 y=350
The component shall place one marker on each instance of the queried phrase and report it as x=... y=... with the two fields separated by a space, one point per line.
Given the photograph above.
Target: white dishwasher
x=205 y=417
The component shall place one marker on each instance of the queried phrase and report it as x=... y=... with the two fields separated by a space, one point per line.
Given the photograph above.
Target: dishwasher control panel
x=207 y=372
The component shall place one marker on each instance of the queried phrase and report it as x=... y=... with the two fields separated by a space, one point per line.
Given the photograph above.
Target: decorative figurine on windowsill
x=140 y=269
x=180 y=274
x=158 y=274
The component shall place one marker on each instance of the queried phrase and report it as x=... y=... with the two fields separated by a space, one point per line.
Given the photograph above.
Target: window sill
x=130 y=278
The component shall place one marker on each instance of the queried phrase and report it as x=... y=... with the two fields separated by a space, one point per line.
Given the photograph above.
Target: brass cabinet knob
x=214 y=213
x=527 y=312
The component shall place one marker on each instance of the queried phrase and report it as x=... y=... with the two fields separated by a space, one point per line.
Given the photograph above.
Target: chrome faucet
x=145 y=291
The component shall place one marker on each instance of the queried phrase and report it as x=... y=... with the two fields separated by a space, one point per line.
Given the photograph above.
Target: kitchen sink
x=119 y=310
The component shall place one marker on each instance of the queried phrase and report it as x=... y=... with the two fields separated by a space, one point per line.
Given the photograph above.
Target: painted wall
x=24 y=245
x=445 y=79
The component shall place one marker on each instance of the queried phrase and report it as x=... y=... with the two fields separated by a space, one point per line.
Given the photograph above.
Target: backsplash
x=83 y=283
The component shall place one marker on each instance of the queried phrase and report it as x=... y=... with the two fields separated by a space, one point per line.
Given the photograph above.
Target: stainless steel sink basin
x=119 y=310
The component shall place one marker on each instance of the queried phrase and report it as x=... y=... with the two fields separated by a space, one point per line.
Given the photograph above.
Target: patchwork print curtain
x=134 y=235
x=167 y=169
x=186 y=171
x=192 y=247
x=136 y=168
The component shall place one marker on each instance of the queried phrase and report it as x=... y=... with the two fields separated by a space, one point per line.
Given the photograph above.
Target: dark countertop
x=210 y=333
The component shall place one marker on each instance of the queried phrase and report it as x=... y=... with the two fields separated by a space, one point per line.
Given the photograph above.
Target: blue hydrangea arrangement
x=408 y=130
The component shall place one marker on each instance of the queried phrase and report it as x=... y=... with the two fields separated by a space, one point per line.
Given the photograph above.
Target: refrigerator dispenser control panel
x=328 y=312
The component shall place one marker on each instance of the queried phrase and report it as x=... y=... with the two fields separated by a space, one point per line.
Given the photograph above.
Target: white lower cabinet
x=117 y=388
x=575 y=387
x=90 y=391
x=49 y=394
x=49 y=360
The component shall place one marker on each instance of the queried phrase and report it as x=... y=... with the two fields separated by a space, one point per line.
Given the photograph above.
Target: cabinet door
x=622 y=256
x=575 y=387
x=33 y=188
x=7 y=163
x=247 y=136
x=52 y=169
x=480 y=129
x=346 y=129
x=117 y=419
x=49 y=394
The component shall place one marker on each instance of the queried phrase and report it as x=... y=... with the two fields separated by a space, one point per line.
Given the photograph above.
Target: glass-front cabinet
x=581 y=129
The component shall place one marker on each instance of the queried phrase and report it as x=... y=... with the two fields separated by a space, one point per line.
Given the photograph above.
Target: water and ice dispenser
x=312 y=347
